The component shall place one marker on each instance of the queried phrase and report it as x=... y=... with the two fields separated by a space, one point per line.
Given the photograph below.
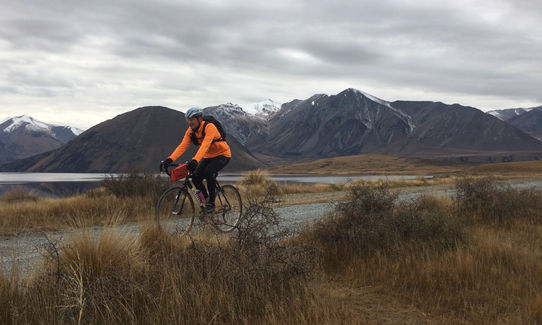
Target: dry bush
x=255 y=177
x=485 y=201
x=371 y=222
x=136 y=184
x=256 y=184
x=18 y=194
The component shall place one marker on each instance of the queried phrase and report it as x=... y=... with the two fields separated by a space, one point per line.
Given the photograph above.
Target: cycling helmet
x=193 y=112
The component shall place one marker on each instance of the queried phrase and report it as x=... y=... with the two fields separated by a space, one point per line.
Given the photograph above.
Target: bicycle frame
x=187 y=183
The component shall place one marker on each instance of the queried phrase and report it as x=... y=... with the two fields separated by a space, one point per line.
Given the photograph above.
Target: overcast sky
x=82 y=62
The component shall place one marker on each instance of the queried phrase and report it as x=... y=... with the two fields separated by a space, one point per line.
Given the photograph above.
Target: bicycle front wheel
x=229 y=208
x=175 y=211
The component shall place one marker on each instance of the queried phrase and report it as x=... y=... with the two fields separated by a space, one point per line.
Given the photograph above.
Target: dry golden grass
x=493 y=279
x=76 y=211
x=510 y=169
x=152 y=278
x=17 y=194
x=375 y=261
x=490 y=275
x=370 y=164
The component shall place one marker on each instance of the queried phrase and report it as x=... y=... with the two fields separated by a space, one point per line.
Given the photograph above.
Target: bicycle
x=175 y=207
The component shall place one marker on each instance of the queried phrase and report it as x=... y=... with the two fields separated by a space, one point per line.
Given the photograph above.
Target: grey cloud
x=262 y=48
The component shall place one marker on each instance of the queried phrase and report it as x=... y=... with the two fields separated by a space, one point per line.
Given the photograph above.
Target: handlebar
x=166 y=168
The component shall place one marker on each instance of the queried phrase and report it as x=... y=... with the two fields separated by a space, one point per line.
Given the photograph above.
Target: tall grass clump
x=256 y=184
x=18 y=194
x=136 y=184
x=485 y=201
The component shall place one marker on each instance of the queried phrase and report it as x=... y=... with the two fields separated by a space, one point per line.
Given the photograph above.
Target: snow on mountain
x=11 y=124
x=75 y=130
x=506 y=114
x=264 y=108
x=387 y=104
x=28 y=122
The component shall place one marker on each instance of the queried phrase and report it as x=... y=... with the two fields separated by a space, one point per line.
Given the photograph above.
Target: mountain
x=353 y=122
x=325 y=126
x=246 y=120
x=238 y=123
x=509 y=113
x=529 y=122
x=262 y=109
x=455 y=129
x=24 y=136
x=138 y=140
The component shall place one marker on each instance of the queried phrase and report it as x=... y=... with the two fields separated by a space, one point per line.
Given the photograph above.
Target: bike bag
x=179 y=172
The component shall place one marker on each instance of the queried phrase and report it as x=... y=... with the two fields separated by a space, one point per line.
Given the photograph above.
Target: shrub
x=255 y=177
x=136 y=184
x=486 y=201
x=18 y=194
x=257 y=184
x=372 y=222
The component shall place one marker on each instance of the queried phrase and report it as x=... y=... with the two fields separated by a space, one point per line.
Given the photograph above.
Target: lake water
x=63 y=184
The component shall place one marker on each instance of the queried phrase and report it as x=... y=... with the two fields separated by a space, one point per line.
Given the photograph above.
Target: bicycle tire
x=174 y=211
x=228 y=208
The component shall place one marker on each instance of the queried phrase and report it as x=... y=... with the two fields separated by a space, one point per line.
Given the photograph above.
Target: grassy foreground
x=472 y=259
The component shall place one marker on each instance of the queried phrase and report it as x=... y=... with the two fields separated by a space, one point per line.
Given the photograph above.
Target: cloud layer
x=81 y=62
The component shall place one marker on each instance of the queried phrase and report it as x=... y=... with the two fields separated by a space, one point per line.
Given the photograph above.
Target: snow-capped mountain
x=264 y=108
x=11 y=124
x=507 y=114
x=23 y=136
x=238 y=123
x=354 y=122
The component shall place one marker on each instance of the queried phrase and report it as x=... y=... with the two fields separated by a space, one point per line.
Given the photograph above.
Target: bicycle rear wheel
x=175 y=211
x=229 y=208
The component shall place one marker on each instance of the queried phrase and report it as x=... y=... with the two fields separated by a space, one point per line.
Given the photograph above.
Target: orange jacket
x=207 y=148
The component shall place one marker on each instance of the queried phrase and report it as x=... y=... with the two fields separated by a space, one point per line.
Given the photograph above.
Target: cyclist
x=213 y=153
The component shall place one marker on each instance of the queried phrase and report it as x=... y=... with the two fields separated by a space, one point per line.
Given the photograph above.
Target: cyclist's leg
x=199 y=174
x=210 y=172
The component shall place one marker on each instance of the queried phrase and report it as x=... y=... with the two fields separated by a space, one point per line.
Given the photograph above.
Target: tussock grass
x=79 y=210
x=18 y=194
x=136 y=184
x=371 y=222
x=484 y=200
x=128 y=198
x=256 y=184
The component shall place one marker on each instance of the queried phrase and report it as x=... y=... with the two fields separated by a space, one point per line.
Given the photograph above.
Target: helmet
x=193 y=112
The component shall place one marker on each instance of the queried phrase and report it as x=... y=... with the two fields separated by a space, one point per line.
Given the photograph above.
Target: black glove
x=165 y=163
x=191 y=165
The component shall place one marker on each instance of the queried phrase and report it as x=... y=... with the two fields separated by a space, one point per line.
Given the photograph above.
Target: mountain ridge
x=138 y=139
x=23 y=136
